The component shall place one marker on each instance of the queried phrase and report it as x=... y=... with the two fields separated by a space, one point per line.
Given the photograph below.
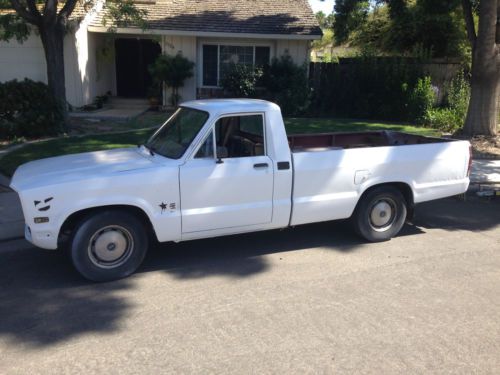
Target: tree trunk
x=52 y=37
x=482 y=116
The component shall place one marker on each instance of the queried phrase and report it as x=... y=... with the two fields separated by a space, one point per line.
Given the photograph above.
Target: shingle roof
x=283 y=17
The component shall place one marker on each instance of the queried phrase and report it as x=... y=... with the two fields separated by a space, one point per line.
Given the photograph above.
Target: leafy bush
x=444 y=119
x=173 y=71
x=287 y=84
x=451 y=117
x=422 y=100
x=241 y=80
x=458 y=96
x=28 y=109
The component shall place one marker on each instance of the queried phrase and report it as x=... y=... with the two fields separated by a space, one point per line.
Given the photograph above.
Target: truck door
x=229 y=181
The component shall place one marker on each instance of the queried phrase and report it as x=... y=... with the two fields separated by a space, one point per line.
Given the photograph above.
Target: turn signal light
x=41 y=220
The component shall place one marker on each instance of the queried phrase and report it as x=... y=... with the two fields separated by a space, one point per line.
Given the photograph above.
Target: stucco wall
x=297 y=49
x=100 y=72
x=18 y=61
x=27 y=60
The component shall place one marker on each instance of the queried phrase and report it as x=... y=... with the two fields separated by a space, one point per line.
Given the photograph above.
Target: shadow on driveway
x=43 y=301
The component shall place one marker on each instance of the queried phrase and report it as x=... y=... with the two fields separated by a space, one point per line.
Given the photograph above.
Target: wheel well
x=404 y=188
x=76 y=217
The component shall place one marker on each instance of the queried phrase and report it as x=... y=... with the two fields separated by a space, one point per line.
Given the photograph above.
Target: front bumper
x=41 y=238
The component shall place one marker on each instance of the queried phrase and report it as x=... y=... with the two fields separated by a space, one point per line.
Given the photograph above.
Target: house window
x=218 y=58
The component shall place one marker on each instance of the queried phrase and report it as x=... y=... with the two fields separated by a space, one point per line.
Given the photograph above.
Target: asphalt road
x=313 y=299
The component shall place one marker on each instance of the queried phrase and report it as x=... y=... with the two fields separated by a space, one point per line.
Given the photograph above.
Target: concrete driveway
x=314 y=299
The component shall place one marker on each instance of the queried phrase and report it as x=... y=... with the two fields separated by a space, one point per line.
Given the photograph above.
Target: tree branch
x=33 y=9
x=469 y=22
x=27 y=15
x=50 y=11
x=67 y=9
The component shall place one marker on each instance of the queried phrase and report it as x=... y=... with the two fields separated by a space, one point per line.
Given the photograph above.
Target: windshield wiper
x=150 y=149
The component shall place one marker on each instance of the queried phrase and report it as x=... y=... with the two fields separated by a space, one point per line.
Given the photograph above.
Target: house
x=211 y=33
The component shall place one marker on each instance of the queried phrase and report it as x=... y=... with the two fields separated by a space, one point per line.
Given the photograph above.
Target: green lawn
x=72 y=145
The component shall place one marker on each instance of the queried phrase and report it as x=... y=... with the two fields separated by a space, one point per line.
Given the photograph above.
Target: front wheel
x=380 y=214
x=108 y=245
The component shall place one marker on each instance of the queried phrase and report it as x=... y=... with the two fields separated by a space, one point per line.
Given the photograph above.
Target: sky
x=326 y=6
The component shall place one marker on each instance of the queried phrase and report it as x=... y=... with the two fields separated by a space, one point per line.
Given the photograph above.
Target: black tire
x=380 y=214
x=108 y=245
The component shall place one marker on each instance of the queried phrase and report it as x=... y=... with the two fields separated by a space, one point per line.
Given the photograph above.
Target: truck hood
x=78 y=167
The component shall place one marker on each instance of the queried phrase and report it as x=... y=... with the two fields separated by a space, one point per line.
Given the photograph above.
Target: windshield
x=175 y=136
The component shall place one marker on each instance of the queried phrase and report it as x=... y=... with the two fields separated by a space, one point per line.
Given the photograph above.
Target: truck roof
x=219 y=106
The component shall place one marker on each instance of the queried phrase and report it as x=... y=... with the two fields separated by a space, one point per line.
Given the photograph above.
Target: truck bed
x=332 y=141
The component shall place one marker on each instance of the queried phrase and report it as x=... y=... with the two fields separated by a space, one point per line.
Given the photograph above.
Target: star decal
x=163 y=207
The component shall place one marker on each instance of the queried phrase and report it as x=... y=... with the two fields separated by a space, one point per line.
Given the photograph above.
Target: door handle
x=260 y=165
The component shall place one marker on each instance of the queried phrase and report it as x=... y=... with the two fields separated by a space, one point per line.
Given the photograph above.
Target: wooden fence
x=442 y=71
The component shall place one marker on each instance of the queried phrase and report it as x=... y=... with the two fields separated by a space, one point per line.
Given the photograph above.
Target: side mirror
x=221 y=154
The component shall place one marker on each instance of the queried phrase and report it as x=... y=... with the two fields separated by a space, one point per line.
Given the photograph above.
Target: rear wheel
x=380 y=214
x=108 y=245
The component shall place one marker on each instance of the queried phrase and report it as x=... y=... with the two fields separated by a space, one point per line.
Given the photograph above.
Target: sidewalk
x=485 y=171
x=12 y=221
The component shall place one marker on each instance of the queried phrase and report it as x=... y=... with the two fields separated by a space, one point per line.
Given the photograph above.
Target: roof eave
x=133 y=30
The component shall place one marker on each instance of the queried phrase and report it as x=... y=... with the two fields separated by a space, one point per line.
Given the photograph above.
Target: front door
x=234 y=189
x=133 y=57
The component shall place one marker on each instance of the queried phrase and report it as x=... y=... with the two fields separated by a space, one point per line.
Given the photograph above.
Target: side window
x=240 y=136
x=207 y=148
x=252 y=125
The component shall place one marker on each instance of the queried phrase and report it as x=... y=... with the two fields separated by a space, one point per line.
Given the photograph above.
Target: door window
x=235 y=137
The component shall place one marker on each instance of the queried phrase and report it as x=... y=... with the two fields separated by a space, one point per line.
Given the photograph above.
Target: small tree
x=173 y=72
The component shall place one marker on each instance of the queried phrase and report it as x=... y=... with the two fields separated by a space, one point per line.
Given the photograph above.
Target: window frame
x=228 y=43
x=211 y=128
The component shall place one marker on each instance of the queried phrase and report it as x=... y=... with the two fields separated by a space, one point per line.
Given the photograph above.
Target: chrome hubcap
x=110 y=247
x=382 y=214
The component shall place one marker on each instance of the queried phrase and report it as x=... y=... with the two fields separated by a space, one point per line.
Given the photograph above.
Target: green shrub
x=422 y=100
x=444 y=119
x=173 y=71
x=287 y=85
x=241 y=80
x=458 y=96
x=451 y=117
x=28 y=109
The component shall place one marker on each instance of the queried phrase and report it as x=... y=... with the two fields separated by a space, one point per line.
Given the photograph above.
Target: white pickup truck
x=221 y=167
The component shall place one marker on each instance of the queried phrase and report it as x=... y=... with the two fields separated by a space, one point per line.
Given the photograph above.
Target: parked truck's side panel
x=341 y=176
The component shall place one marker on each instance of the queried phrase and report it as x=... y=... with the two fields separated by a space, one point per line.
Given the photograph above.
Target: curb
x=485 y=157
